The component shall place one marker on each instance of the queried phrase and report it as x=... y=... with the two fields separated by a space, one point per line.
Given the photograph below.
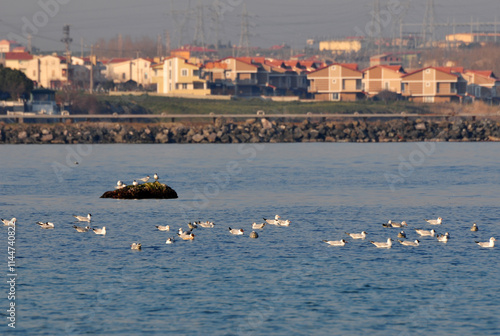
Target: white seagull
x=206 y=224
x=144 y=179
x=423 y=233
x=274 y=221
x=443 y=238
x=361 y=235
x=156 y=177
x=135 y=183
x=258 y=226
x=11 y=222
x=169 y=241
x=434 y=221
x=341 y=242
x=283 y=222
x=236 y=231
x=83 y=218
x=387 y=244
x=186 y=235
x=163 y=227
x=474 y=227
x=100 y=231
x=81 y=228
x=490 y=243
x=120 y=185
x=46 y=225
x=409 y=243
x=391 y=224
x=136 y=246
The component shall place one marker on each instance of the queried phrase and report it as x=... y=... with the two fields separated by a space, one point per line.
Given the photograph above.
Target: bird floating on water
x=100 y=231
x=46 y=225
x=391 y=224
x=136 y=246
x=81 y=228
x=206 y=224
x=423 y=233
x=341 y=242
x=387 y=244
x=402 y=234
x=410 y=243
x=443 y=238
x=361 y=235
x=7 y=222
x=236 y=231
x=169 y=241
x=258 y=226
x=474 y=227
x=163 y=227
x=490 y=243
x=83 y=218
x=434 y=221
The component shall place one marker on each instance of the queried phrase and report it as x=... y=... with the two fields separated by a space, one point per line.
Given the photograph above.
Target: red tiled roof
x=395 y=68
x=483 y=73
x=18 y=56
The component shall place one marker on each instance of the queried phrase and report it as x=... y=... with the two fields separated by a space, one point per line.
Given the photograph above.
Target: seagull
x=83 y=218
x=236 y=231
x=409 y=243
x=258 y=226
x=135 y=183
x=81 y=228
x=474 y=227
x=120 y=185
x=283 y=222
x=100 y=231
x=186 y=235
x=206 y=224
x=341 y=242
x=144 y=179
x=426 y=232
x=361 y=235
x=274 y=221
x=192 y=226
x=46 y=225
x=443 y=238
x=434 y=221
x=490 y=243
x=136 y=246
x=391 y=224
x=387 y=244
x=11 y=222
x=169 y=241
x=156 y=177
x=402 y=234
x=163 y=227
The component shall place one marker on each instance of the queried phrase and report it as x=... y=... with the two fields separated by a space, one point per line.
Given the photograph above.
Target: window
x=184 y=86
x=335 y=96
x=387 y=86
x=123 y=75
x=184 y=72
x=428 y=99
x=403 y=88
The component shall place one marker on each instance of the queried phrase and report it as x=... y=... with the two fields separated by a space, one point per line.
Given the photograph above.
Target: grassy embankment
x=158 y=105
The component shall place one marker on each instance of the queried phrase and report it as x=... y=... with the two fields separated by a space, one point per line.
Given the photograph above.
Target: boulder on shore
x=142 y=191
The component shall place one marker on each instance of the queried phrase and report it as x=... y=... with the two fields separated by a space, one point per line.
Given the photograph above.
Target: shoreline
x=255 y=130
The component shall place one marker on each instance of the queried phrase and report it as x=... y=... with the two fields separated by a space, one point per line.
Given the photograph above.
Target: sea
x=285 y=282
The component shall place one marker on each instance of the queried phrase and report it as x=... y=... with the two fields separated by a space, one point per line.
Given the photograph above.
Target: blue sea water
x=286 y=282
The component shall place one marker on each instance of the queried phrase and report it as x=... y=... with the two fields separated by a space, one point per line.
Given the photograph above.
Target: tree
x=15 y=83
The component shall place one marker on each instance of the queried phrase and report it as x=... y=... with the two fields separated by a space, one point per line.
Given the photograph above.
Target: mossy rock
x=142 y=191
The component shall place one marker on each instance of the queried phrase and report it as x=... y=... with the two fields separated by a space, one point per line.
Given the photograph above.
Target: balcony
x=247 y=82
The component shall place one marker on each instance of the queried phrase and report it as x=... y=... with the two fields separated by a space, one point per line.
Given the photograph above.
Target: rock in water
x=254 y=234
x=142 y=191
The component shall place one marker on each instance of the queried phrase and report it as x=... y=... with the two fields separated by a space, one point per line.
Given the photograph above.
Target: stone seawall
x=254 y=130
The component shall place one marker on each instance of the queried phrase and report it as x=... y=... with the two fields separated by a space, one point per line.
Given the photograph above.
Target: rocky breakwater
x=255 y=130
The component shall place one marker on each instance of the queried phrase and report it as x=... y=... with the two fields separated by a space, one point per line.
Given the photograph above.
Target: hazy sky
x=270 y=22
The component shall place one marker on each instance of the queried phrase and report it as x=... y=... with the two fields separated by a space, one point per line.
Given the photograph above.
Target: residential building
x=122 y=70
x=380 y=78
x=385 y=59
x=17 y=60
x=49 y=71
x=434 y=84
x=10 y=46
x=178 y=77
x=482 y=85
x=336 y=82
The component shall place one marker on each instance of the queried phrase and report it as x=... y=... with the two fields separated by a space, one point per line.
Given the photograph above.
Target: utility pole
x=429 y=23
x=29 y=43
x=244 y=38
x=159 y=47
x=67 y=41
x=92 y=63
x=199 y=35
x=167 y=43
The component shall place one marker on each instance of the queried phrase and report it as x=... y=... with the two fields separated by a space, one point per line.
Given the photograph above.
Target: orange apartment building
x=380 y=78
x=434 y=85
x=336 y=82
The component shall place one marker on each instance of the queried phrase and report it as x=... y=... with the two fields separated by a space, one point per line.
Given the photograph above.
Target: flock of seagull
x=189 y=235
x=442 y=238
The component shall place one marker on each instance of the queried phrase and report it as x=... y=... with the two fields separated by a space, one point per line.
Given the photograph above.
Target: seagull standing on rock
x=156 y=177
